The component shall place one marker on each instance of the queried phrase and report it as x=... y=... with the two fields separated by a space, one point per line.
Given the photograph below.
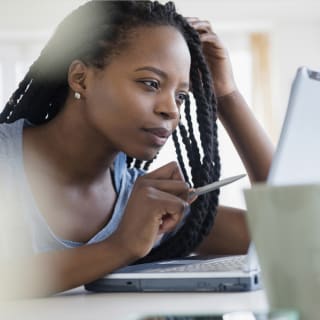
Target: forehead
x=160 y=46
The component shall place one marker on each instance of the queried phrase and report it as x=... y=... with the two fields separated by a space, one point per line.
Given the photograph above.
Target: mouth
x=157 y=136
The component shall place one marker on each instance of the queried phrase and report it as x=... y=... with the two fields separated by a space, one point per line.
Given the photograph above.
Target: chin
x=143 y=156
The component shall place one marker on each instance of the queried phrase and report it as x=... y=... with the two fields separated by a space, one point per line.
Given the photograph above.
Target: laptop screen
x=297 y=157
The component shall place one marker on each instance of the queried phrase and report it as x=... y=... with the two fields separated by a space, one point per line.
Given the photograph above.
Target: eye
x=151 y=84
x=181 y=98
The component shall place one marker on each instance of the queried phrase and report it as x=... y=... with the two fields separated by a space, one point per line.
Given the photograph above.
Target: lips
x=160 y=132
x=157 y=136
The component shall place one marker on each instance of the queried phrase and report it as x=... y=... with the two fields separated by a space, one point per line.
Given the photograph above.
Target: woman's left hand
x=217 y=57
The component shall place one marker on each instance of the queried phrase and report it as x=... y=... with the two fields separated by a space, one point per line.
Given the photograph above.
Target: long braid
x=179 y=156
x=43 y=91
x=203 y=210
x=13 y=103
x=195 y=149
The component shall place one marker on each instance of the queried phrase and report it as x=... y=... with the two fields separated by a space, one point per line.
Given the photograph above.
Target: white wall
x=36 y=15
x=295 y=43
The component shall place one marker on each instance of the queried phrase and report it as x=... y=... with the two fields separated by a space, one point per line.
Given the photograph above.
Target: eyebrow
x=160 y=73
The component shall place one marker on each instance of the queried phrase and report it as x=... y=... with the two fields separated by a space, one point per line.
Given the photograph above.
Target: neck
x=73 y=151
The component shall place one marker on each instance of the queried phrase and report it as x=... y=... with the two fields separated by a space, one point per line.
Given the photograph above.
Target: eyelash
x=149 y=85
x=181 y=99
x=184 y=97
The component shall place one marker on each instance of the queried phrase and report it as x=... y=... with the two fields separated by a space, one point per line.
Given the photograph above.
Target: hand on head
x=217 y=57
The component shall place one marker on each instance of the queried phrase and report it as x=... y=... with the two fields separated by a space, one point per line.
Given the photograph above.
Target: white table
x=81 y=305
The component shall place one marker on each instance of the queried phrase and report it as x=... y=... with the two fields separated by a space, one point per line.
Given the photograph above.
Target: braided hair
x=96 y=32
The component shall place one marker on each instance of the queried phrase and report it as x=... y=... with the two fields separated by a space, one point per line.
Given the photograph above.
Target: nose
x=167 y=107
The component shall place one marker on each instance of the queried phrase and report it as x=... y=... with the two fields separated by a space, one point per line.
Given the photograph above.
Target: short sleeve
x=14 y=235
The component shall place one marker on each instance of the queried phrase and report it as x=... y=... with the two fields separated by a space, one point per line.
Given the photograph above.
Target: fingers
x=168 y=171
x=216 y=55
x=175 y=187
x=202 y=26
x=168 y=198
x=173 y=210
x=168 y=178
x=205 y=31
x=156 y=205
x=180 y=189
x=149 y=213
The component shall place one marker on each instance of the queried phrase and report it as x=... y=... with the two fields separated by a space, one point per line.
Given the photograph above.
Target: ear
x=77 y=76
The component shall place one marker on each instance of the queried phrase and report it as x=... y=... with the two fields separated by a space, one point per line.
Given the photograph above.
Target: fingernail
x=192 y=196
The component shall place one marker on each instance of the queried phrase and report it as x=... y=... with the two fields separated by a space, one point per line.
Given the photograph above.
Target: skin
x=73 y=187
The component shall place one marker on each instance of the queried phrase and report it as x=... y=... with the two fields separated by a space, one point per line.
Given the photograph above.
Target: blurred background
x=267 y=41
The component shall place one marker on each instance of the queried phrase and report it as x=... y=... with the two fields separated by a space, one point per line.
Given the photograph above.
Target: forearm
x=249 y=139
x=49 y=273
x=229 y=235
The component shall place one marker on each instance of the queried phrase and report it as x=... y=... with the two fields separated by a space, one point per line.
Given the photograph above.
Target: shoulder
x=10 y=152
x=9 y=132
x=14 y=234
x=10 y=143
x=122 y=174
x=10 y=146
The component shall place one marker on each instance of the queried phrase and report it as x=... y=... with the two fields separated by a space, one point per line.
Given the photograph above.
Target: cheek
x=113 y=105
x=102 y=100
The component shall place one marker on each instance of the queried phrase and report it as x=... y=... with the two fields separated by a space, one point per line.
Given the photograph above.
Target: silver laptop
x=218 y=274
x=293 y=163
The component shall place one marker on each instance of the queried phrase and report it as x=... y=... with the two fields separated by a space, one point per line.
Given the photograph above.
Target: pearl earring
x=77 y=95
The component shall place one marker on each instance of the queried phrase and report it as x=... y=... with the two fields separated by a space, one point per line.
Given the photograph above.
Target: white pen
x=213 y=186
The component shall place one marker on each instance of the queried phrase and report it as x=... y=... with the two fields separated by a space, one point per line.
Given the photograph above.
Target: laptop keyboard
x=234 y=263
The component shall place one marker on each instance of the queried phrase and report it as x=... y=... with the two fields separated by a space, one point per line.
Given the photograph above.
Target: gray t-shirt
x=23 y=228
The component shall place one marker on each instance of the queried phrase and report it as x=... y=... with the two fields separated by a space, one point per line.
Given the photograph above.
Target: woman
x=101 y=100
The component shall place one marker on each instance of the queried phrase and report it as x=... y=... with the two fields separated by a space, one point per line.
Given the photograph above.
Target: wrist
x=227 y=101
x=127 y=249
x=223 y=82
x=225 y=97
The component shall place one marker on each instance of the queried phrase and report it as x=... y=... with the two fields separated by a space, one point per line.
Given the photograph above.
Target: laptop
x=216 y=274
x=227 y=273
x=192 y=273
x=297 y=153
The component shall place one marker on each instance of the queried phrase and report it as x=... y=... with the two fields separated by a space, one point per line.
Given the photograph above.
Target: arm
x=155 y=206
x=230 y=234
x=248 y=137
x=48 y=273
